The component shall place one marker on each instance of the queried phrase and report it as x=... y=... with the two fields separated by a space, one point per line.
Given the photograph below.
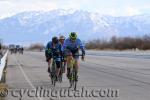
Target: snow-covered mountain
x=41 y=26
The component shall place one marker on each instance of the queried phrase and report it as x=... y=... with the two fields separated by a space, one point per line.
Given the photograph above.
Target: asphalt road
x=103 y=76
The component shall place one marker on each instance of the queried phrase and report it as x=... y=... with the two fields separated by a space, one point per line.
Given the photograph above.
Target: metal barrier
x=3 y=66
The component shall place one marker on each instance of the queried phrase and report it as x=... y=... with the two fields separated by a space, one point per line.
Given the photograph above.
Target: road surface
x=125 y=74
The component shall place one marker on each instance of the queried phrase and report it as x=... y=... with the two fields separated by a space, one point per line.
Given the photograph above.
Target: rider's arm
x=47 y=48
x=65 y=45
x=61 y=49
x=81 y=47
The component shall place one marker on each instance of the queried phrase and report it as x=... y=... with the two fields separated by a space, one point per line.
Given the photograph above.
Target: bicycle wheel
x=53 y=73
x=60 y=74
x=75 y=79
x=60 y=77
x=71 y=78
x=52 y=78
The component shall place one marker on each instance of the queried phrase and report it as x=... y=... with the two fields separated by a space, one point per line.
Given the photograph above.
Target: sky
x=104 y=7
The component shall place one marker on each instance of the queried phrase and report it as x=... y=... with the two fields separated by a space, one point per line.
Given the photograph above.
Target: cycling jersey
x=54 y=51
x=73 y=45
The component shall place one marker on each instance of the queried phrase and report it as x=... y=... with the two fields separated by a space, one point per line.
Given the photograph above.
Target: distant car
x=21 y=49
x=17 y=48
x=12 y=48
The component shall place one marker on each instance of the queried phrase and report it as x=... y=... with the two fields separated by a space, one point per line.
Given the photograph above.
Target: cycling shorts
x=75 y=54
x=48 y=57
x=58 y=64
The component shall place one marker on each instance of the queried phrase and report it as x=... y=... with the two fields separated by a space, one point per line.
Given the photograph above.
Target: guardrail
x=3 y=64
x=3 y=86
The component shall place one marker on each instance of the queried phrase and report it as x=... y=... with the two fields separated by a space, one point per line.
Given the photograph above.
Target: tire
x=75 y=82
x=75 y=86
x=75 y=79
x=71 y=76
x=53 y=79
x=60 y=76
x=71 y=79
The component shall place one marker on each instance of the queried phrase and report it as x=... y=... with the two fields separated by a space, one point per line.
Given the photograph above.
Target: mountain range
x=39 y=26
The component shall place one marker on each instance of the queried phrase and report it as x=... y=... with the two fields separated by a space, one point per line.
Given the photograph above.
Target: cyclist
x=54 y=50
x=61 y=40
x=72 y=46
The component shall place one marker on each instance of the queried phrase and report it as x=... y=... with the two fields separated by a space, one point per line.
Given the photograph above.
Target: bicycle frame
x=53 y=73
x=53 y=78
x=73 y=72
x=72 y=77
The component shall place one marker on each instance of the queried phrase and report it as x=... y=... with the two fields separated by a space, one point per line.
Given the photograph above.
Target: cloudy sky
x=109 y=7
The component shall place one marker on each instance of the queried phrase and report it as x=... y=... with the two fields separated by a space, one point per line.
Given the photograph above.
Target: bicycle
x=53 y=73
x=62 y=69
x=73 y=73
x=60 y=74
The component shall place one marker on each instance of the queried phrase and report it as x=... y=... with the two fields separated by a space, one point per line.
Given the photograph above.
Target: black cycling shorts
x=58 y=64
x=48 y=57
x=75 y=54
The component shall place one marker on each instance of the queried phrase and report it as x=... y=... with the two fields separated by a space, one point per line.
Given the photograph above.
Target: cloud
x=36 y=6
x=130 y=11
x=107 y=7
x=9 y=8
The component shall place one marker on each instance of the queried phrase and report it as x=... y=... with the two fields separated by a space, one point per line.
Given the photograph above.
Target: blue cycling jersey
x=56 y=50
x=76 y=44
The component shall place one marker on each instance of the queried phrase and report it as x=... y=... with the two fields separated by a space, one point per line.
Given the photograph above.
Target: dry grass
x=121 y=43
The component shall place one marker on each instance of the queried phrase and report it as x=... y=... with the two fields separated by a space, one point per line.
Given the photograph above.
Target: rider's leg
x=58 y=64
x=49 y=64
x=64 y=66
x=48 y=59
x=69 y=58
x=76 y=62
x=77 y=65
x=76 y=69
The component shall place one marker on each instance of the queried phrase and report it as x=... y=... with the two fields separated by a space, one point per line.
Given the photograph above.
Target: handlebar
x=74 y=55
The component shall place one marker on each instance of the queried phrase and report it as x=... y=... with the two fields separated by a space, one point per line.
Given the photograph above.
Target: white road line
x=26 y=77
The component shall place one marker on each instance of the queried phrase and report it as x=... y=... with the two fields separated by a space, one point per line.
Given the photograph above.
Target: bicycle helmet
x=61 y=37
x=55 y=40
x=73 y=36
